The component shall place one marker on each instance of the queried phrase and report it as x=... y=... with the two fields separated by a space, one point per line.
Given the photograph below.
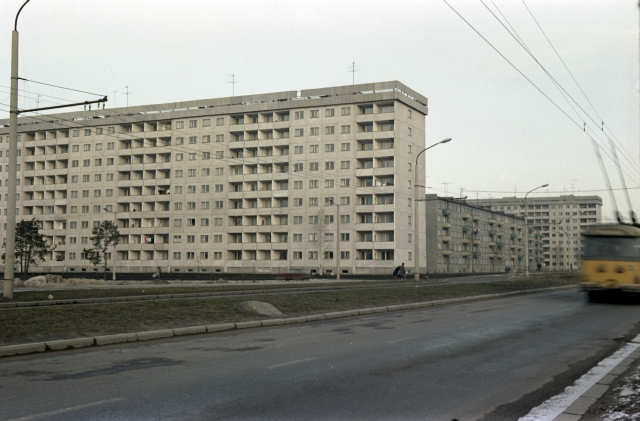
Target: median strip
x=59 y=345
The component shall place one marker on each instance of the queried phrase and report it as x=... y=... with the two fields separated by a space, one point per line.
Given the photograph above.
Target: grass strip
x=37 y=324
x=117 y=291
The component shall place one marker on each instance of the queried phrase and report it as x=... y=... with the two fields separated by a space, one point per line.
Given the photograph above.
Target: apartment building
x=255 y=183
x=558 y=221
x=467 y=238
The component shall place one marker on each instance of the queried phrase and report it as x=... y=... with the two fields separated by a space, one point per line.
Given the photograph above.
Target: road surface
x=491 y=360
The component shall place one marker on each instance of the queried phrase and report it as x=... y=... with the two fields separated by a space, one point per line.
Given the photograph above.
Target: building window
x=314 y=131
x=345 y=111
x=345 y=129
x=220 y=121
x=299 y=115
x=330 y=130
x=328 y=165
x=299 y=132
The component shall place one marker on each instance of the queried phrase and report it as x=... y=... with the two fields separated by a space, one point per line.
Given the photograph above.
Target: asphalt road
x=491 y=360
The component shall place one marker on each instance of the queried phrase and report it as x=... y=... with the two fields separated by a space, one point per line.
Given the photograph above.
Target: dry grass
x=32 y=324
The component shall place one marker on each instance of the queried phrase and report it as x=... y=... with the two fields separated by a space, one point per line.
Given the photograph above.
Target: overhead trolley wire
x=560 y=88
x=521 y=73
x=574 y=79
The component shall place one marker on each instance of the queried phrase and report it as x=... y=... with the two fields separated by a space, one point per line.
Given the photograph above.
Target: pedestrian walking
x=402 y=272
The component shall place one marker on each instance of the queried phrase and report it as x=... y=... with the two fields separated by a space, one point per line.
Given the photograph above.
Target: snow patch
x=554 y=406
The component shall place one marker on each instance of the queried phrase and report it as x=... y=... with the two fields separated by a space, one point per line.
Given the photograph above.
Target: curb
x=59 y=345
x=580 y=406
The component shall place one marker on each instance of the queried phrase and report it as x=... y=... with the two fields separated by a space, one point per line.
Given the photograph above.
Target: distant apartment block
x=255 y=183
x=467 y=238
x=557 y=220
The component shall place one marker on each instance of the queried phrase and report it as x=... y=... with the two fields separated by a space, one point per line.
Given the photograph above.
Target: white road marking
x=401 y=340
x=271 y=367
x=62 y=411
x=556 y=405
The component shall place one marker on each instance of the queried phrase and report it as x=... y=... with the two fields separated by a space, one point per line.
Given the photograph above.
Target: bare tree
x=104 y=237
x=322 y=239
x=31 y=246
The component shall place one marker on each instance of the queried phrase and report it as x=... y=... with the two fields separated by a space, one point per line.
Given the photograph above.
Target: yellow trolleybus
x=611 y=260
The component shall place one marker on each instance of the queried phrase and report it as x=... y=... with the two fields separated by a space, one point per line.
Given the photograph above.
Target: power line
x=521 y=73
x=60 y=87
x=574 y=79
x=557 y=84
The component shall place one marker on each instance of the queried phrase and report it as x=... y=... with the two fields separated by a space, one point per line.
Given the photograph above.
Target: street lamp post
x=113 y=257
x=337 y=239
x=416 y=243
x=526 y=231
x=13 y=165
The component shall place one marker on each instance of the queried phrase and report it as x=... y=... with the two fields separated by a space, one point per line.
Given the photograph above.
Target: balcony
x=499 y=233
x=446 y=252
x=466 y=228
x=446 y=225
x=492 y=221
x=492 y=232
x=446 y=212
x=465 y=241
x=466 y=253
x=476 y=254
x=466 y=216
x=446 y=239
x=476 y=218
x=476 y=242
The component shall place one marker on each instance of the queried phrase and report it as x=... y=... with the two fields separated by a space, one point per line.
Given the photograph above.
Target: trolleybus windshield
x=612 y=248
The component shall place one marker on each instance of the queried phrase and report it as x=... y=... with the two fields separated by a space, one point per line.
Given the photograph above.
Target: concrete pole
x=526 y=239
x=115 y=252
x=526 y=231
x=416 y=223
x=338 y=242
x=13 y=165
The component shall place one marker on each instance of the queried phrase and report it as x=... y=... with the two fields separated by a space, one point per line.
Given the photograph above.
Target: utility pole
x=13 y=159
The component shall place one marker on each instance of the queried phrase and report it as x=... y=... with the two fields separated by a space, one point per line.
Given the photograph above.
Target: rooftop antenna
x=233 y=85
x=127 y=94
x=114 y=98
x=446 y=189
x=353 y=71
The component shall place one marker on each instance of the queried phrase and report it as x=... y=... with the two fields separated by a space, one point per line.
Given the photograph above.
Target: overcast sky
x=507 y=137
